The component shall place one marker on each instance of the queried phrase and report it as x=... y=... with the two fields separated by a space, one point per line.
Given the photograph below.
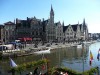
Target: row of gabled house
x=33 y=29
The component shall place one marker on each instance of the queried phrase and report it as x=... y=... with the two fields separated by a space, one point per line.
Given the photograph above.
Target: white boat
x=98 y=40
x=43 y=51
x=79 y=46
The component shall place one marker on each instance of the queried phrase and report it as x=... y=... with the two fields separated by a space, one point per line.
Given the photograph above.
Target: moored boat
x=47 y=50
x=79 y=46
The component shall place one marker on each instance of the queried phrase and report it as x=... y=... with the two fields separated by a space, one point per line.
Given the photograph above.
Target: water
x=65 y=57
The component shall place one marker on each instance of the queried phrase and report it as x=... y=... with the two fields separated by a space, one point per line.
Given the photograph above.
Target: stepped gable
x=35 y=20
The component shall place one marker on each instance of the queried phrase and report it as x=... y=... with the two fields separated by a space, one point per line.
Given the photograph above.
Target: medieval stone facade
x=2 y=34
x=50 y=27
x=76 y=32
x=9 y=28
x=45 y=30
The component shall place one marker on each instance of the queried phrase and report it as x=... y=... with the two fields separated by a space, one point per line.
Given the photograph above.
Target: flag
x=12 y=63
x=43 y=67
x=91 y=58
x=98 y=56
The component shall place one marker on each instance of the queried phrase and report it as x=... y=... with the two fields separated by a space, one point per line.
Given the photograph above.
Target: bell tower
x=52 y=15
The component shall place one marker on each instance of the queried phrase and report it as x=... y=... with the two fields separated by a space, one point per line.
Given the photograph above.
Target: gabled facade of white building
x=59 y=32
x=76 y=32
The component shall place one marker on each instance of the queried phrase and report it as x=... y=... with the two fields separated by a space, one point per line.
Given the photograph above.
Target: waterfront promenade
x=52 y=46
x=55 y=45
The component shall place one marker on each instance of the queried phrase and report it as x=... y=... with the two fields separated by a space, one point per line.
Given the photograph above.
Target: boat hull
x=42 y=51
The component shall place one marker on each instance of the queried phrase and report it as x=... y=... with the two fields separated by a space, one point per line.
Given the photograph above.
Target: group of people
x=36 y=72
x=60 y=73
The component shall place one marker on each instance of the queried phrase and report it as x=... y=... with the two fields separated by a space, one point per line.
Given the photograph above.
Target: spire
x=63 y=23
x=51 y=8
x=84 y=21
x=52 y=12
x=84 y=25
x=78 y=22
x=14 y=21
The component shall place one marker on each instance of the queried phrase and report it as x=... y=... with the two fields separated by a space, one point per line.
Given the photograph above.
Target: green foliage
x=53 y=70
x=28 y=65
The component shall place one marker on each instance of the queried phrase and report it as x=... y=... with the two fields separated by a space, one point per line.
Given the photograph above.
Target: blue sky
x=69 y=11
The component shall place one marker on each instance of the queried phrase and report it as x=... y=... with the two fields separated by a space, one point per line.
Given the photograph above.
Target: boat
x=98 y=40
x=47 y=50
x=79 y=46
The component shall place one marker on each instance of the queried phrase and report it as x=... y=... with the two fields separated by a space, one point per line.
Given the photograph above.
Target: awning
x=25 y=39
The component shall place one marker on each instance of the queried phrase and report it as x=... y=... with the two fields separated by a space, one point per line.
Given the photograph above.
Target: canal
x=69 y=57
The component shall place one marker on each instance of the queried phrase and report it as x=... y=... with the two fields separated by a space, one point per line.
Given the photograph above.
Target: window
x=32 y=33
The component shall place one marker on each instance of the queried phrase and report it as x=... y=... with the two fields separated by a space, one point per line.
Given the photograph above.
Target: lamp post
x=83 y=56
x=82 y=53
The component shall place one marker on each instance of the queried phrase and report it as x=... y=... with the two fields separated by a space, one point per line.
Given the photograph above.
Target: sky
x=69 y=11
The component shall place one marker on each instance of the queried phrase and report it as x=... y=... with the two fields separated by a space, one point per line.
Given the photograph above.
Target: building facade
x=9 y=28
x=76 y=32
x=2 y=34
x=59 y=32
x=50 y=28
x=45 y=30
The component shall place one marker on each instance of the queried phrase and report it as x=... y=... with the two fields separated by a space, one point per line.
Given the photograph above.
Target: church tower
x=51 y=16
x=51 y=32
x=85 y=30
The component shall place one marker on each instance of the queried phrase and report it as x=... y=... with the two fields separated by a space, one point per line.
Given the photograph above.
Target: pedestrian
x=30 y=73
x=36 y=71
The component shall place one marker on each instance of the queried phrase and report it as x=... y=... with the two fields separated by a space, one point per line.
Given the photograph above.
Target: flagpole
x=83 y=55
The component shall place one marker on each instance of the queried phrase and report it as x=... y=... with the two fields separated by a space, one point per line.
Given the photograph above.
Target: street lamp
x=82 y=52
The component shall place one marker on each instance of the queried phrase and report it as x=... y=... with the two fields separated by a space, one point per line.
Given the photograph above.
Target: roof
x=64 y=28
x=1 y=26
x=9 y=23
x=56 y=23
x=74 y=27
x=45 y=22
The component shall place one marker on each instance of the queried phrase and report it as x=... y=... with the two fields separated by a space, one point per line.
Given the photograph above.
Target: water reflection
x=70 y=57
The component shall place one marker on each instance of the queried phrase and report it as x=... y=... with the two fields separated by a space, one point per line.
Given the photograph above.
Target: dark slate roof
x=80 y=25
x=1 y=26
x=9 y=23
x=56 y=23
x=24 y=22
x=44 y=23
x=74 y=27
x=65 y=28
